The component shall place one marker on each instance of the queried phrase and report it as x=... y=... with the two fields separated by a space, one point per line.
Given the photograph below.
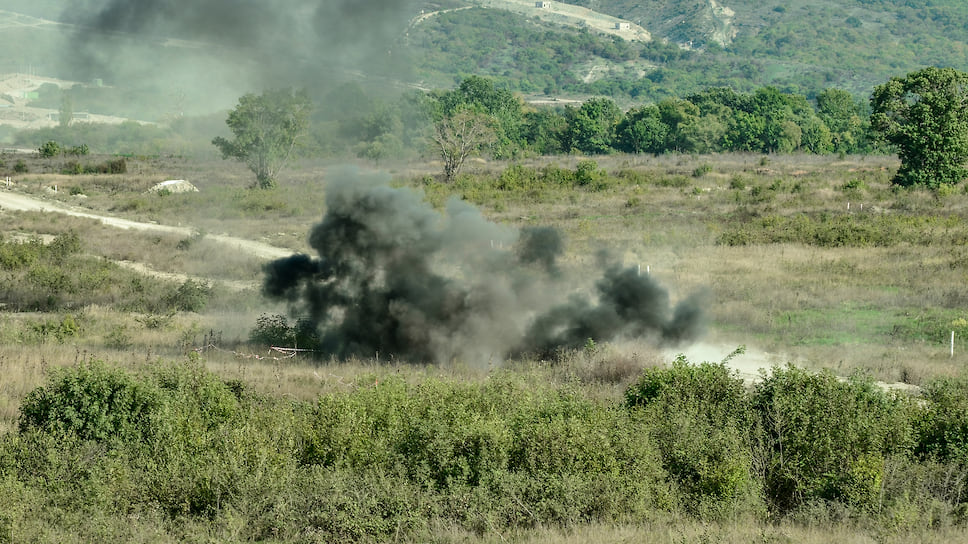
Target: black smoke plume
x=395 y=277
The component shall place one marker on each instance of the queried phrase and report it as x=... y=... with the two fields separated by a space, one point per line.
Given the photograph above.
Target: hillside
x=853 y=44
x=797 y=46
x=161 y=63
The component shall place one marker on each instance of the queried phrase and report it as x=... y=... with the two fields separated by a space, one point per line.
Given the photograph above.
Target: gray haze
x=395 y=277
x=221 y=48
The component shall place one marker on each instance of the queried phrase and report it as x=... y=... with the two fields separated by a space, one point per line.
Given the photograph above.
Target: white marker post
x=952 y=343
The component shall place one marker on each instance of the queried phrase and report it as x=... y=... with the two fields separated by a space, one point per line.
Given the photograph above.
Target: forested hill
x=797 y=45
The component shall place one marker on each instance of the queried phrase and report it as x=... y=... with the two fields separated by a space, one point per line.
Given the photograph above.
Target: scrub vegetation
x=148 y=409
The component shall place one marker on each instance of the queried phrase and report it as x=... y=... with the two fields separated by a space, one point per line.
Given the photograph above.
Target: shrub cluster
x=110 y=166
x=845 y=230
x=38 y=276
x=386 y=458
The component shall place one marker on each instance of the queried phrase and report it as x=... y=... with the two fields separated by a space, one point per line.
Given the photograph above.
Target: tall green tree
x=266 y=128
x=591 y=128
x=642 y=131
x=844 y=118
x=925 y=116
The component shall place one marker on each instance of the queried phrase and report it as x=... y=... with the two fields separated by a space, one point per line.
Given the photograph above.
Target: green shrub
x=447 y=444
x=357 y=430
x=203 y=454
x=702 y=170
x=49 y=149
x=676 y=181
x=942 y=425
x=190 y=296
x=517 y=178
x=64 y=245
x=355 y=506
x=272 y=330
x=275 y=330
x=846 y=230
x=116 y=166
x=587 y=173
x=72 y=168
x=118 y=338
x=61 y=330
x=563 y=456
x=18 y=255
x=78 y=150
x=20 y=167
x=701 y=421
x=93 y=402
x=828 y=439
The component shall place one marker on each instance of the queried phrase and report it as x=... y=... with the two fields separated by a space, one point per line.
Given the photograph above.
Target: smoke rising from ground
x=397 y=278
x=244 y=45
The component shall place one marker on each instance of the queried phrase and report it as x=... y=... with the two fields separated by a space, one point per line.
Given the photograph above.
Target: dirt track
x=15 y=201
x=571 y=15
x=560 y=13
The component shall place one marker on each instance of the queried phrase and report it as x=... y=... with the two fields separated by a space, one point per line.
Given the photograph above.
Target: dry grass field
x=884 y=307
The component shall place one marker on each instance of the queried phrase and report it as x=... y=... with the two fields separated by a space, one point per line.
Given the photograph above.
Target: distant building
x=623 y=26
x=542 y=5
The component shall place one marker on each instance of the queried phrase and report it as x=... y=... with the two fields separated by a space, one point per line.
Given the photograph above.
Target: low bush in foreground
x=103 y=453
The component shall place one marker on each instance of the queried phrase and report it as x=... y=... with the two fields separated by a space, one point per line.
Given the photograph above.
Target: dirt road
x=10 y=200
x=559 y=13
x=571 y=15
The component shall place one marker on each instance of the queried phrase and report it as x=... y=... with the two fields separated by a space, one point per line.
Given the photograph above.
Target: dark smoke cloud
x=395 y=277
x=242 y=43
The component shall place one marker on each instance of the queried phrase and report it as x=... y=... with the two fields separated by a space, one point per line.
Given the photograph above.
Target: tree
x=592 y=126
x=842 y=114
x=642 y=130
x=502 y=105
x=460 y=135
x=925 y=115
x=545 y=131
x=266 y=128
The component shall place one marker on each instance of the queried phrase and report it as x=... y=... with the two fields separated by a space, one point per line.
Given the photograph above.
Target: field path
x=15 y=201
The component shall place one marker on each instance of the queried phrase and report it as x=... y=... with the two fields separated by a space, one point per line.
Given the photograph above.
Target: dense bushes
x=92 y=402
x=700 y=419
x=828 y=439
x=385 y=458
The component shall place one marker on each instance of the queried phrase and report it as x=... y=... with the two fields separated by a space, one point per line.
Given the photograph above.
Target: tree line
x=921 y=116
